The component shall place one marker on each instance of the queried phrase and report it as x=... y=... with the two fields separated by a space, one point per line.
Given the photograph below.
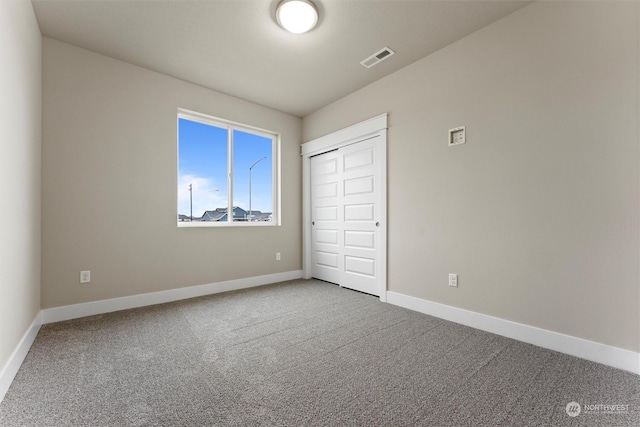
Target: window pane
x=252 y=177
x=202 y=171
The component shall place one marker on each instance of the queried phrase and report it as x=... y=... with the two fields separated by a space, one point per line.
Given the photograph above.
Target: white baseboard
x=596 y=352
x=58 y=314
x=12 y=366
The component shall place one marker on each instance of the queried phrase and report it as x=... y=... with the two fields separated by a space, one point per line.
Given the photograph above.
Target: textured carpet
x=301 y=353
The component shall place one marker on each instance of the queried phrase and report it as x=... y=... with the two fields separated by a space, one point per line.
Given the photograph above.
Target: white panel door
x=361 y=204
x=325 y=211
x=345 y=213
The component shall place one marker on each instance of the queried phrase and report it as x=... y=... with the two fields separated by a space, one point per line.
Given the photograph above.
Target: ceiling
x=236 y=47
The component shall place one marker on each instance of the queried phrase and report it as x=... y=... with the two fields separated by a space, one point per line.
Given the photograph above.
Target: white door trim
x=376 y=126
x=345 y=136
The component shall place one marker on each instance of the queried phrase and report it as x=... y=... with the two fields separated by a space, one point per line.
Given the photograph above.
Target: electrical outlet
x=85 y=276
x=453 y=280
x=277 y=256
x=457 y=136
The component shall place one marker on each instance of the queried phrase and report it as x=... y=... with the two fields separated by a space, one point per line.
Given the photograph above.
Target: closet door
x=345 y=212
x=360 y=204
x=326 y=219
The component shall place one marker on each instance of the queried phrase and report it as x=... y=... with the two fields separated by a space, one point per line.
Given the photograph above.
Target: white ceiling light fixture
x=297 y=16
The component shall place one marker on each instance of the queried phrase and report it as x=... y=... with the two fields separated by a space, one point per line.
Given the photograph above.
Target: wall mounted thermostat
x=457 y=136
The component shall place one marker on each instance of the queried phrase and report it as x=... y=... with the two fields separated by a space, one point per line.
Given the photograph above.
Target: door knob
x=377 y=224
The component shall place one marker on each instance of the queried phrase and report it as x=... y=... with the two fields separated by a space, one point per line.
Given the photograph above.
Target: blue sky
x=203 y=163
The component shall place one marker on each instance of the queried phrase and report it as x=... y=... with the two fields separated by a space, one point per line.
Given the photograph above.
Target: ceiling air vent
x=377 y=57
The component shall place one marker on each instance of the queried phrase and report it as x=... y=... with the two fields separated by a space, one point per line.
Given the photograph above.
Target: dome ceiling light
x=297 y=16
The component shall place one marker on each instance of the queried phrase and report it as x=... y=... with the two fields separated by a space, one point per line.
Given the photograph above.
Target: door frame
x=374 y=127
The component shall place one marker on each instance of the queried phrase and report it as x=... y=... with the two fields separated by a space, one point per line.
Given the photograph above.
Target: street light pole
x=250 y=168
x=191 y=201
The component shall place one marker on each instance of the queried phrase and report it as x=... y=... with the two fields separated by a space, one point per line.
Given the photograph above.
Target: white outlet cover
x=457 y=136
x=453 y=279
x=85 y=276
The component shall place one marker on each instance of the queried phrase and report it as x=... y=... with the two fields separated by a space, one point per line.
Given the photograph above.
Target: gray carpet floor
x=301 y=353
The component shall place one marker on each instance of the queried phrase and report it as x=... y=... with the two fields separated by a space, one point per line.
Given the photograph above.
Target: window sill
x=212 y=224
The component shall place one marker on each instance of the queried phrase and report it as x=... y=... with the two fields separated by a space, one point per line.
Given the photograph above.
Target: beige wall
x=538 y=212
x=20 y=103
x=109 y=184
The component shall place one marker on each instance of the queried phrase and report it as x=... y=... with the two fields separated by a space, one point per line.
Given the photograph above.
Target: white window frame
x=230 y=126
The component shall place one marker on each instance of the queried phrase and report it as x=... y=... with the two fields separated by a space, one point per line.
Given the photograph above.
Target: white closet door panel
x=326 y=212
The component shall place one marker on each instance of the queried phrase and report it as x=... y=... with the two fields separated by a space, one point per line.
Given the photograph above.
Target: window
x=227 y=173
